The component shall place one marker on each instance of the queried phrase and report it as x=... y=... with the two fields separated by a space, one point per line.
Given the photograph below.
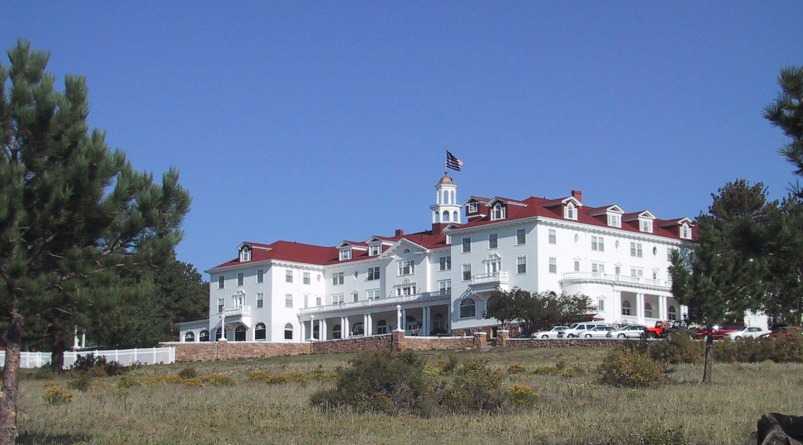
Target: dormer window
x=498 y=212
x=245 y=254
x=685 y=231
x=473 y=207
x=645 y=225
x=614 y=220
x=570 y=211
x=374 y=249
x=345 y=254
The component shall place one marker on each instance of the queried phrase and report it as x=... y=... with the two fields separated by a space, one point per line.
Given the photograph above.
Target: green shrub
x=188 y=373
x=381 y=382
x=523 y=395
x=56 y=395
x=98 y=366
x=631 y=368
x=475 y=388
x=677 y=348
x=81 y=382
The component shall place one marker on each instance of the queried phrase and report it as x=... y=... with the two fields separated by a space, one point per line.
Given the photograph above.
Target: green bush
x=56 y=395
x=523 y=395
x=475 y=388
x=188 y=373
x=631 y=368
x=677 y=348
x=381 y=382
x=81 y=382
x=97 y=366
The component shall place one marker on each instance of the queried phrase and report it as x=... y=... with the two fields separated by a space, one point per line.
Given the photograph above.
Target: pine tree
x=787 y=113
x=71 y=210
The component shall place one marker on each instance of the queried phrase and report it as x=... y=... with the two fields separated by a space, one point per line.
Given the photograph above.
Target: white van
x=577 y=330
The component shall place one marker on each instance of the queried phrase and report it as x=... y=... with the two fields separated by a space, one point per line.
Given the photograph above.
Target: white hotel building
x=438 y=281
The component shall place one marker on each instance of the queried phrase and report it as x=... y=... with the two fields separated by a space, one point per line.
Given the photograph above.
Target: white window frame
x=493 y=240
x=288 y=300
x=338 y=278
x=445 y=263
x=288 y=276
x=552 y=236
x=466 y=269
x=373 y=273
x=614 y=220
x=345 y=254
x=306 y=279
x=466 y=248
x=497 y=212
x=406 y=267
x=553 y=265
x=570 y=211
x=521 y=237
x=521 y=264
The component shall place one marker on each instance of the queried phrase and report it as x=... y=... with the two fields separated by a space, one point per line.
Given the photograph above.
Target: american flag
x=452 y=161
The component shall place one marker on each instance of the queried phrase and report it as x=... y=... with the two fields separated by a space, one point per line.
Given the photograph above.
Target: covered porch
x=413 y=319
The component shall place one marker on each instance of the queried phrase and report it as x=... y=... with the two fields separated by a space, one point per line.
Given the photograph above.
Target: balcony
x=244 y=310
x=489 y=281
x=621 y=280
x=378 y=302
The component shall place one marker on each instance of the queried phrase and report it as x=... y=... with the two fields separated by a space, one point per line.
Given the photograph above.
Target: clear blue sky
x=322 y=121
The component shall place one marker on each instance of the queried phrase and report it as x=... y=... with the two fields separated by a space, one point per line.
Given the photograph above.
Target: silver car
x=629 y=331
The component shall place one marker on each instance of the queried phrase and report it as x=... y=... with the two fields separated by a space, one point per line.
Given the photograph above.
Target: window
x=498 y=212
x=445 y=263
x=685 y=231
x=239 y=333
x=260 y=331
x=673 y=313
x=466 y=272
x=373 y=249
x=626 y=309
x=577 y=265
x=521 y=264
x=189 y=337
x=355 y=296
x=373 y=294
x=647 y=310
x=553 y=265
x=472 y=207
x=468 y=308
x=217 y=334
x=655 y=274
x=337 y=299
x=406 y=267
x=306 y=278
x=260 y=275
x=645 y=225
x=337 y=279
x=373 y=273
x=466 y=245
x=521 y=238
x=245 y=254
x=260 y=301
x=445 y=287
x=381 y=327
x=288 y=276
x=636 y=273
x=288 y=300
x=220 y=282
x=306 y=300
x=617 y=270
x=317 y=301
x=598 y=244
x=345 y=254
x=636 y=250
x=240 y=278
x=553 y=237
x=405 y=290
x=570 y=211
x=614 y=220
x=601 y=305
x=220 y=304
x=336 y=331
x=597 y=268
x=493 y=241
x=203 y=336
x=288 y=331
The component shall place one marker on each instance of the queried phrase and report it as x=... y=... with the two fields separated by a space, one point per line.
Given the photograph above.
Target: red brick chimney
x=578 y=195
x=398 y=233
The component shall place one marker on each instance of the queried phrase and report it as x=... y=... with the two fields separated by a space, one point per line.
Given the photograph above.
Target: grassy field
x=570 y=410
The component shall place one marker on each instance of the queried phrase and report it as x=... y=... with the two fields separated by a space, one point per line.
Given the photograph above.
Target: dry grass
x=570 y=409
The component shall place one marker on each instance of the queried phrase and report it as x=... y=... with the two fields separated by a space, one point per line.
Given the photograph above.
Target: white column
x=616 y=306
x=640 y=307
x=370 y=324
x=346 y=328
x=303 y=331
x=222 y=328
x=75 y=341
x=312 y=327
x=399 y=318
x=83 y=339
x=323 y=329
x=426 y=315
x=404 y=320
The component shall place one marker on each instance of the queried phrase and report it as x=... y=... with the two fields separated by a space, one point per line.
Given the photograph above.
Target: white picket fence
x=125 y=357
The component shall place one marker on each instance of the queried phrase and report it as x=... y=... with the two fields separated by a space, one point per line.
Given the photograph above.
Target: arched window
x=336 y=331
x=673 y=313
x=647 y=310
x=260 y=332
x=445 y=197
x=435 y=216
x=451 y=197
x=239 y=333
x=626 y=308
x=288 y=331
x=468 y=309
x=189 y=337
x=570 y=211
x=454 y=216
x=498 y=212
x=445 y=217
x=204 y=336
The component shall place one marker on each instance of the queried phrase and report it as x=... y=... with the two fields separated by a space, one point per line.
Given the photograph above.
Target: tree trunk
x=708 y=361
x=57 y=354
x=8 y=397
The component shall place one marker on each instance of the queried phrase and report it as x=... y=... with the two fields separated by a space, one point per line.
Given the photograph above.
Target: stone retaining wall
x=187 y=352
x=356 y=344
x=436 y=343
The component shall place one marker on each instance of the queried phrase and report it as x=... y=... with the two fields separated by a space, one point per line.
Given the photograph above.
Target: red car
x=718 y=332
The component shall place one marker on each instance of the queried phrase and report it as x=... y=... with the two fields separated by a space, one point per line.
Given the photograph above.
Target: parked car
x=749 y=332
x=629 y=331
x=551 y=333
x=576 y=330
x=598 y=332
x=718 y=332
